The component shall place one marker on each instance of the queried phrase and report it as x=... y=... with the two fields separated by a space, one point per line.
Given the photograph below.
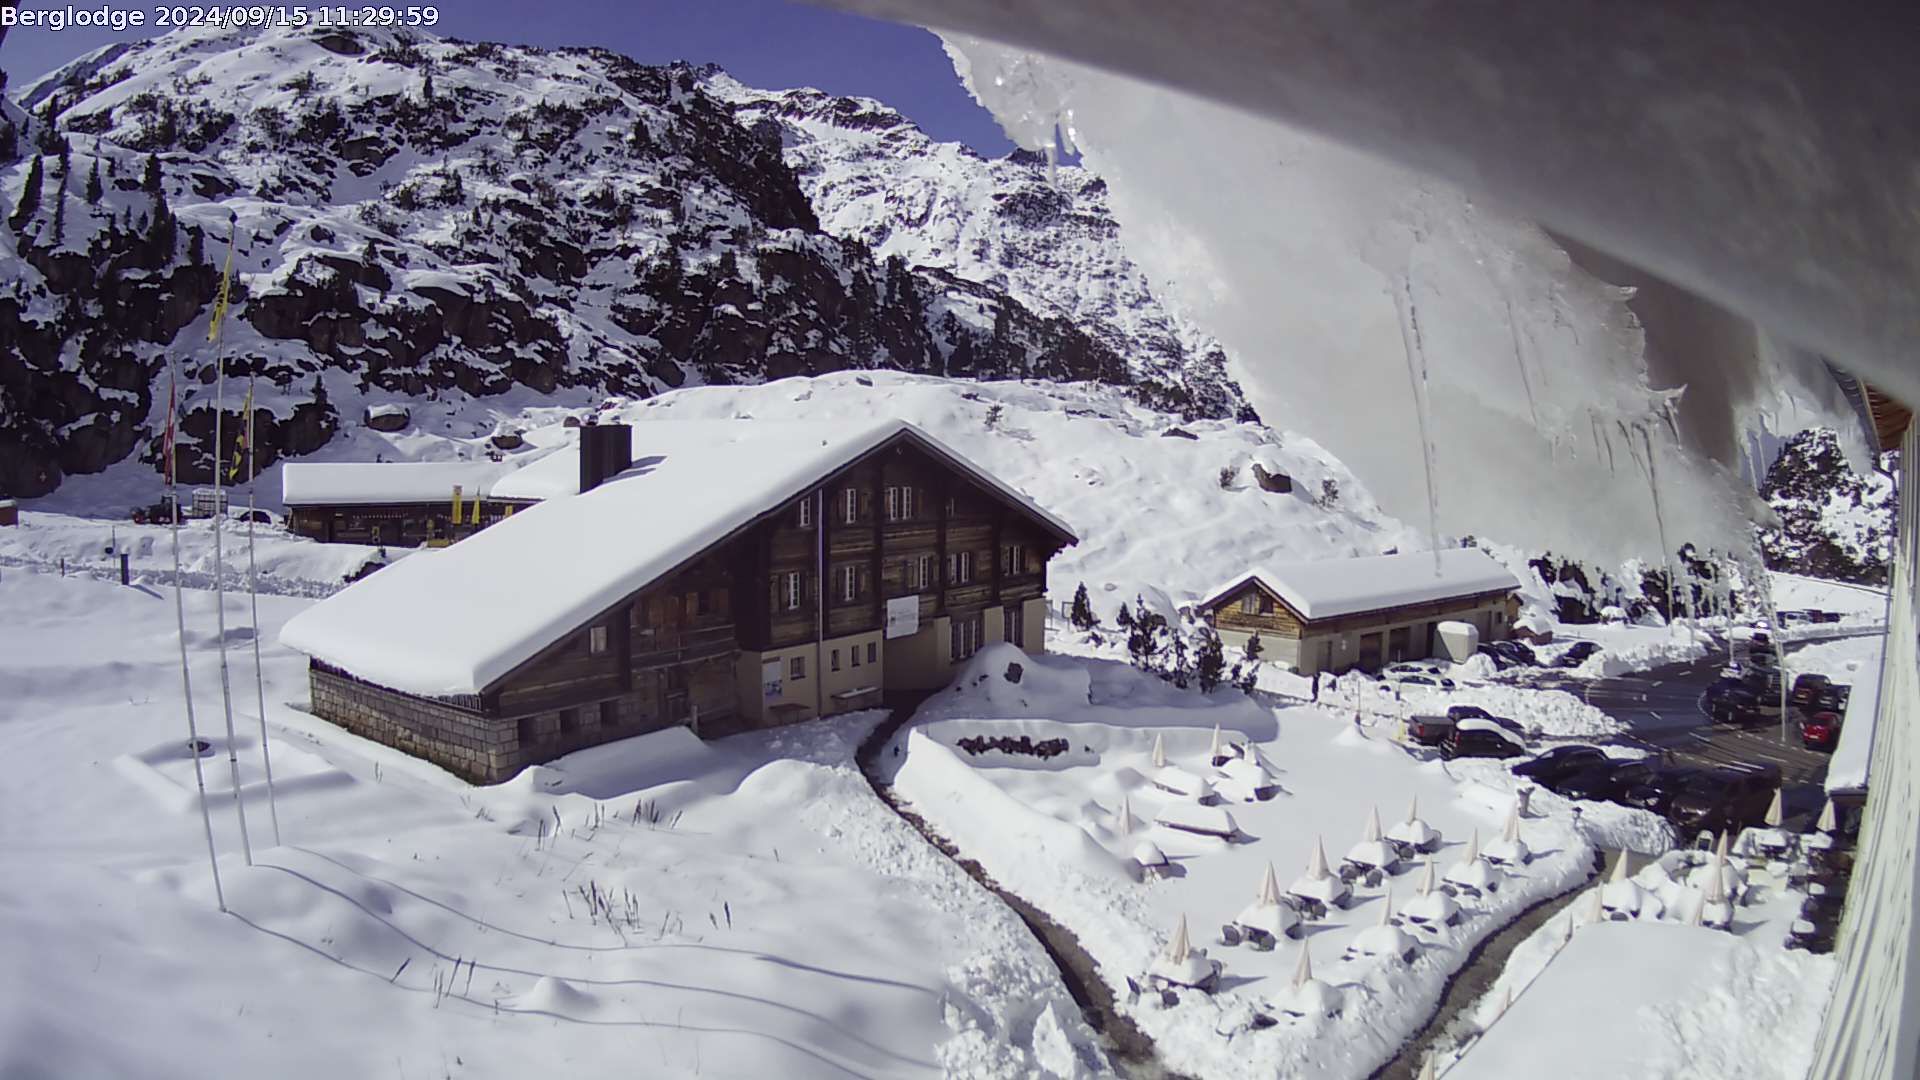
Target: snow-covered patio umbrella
x=1266 y=920
x=1177 y=781
x=1712 y=908
x=1383 y=940
x=1509 y=850
x=1308 y=996
x=1430 y=909
x=1622 y=899
x=1151 y=859
x=1320 y=888
x=1472 y=877
x=1772 y=841
x=1372 y=856
x=1414 y=835
x=1733 y=876
x=1182 y=965
x=1246 y=779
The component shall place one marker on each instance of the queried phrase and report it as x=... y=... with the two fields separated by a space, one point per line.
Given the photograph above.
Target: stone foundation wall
x=464 y=743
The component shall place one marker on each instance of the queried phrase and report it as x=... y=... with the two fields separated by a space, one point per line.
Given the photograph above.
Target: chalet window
x=906 y=503
x=851 y=510
x=597 y=640
x=959 y=567
x=834 y=662
x=1013 y=560
x=1249 y=604
x=953 y=506
x=899 y=503
x=790 y=590
x=965 y=636
x=1013 y=629
x=873 y=652
x=1266 y=604
x=797 y=668
x=854 y=655
x=848 y=578
x=806 y=513
x=924 y=566
x=570 y=718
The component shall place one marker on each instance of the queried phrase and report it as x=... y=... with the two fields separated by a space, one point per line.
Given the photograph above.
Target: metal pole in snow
x=253 y=598
x=219 y=565
x=180 y=619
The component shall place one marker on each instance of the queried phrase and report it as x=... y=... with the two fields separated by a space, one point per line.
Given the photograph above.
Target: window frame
x=806 y=512
x=851 y=509
x=793 y=590
x=598 y=640
x=796 y=668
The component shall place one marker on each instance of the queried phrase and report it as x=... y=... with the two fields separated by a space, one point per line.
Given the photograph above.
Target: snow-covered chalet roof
x=1335 y=587
x=456 y=620
x=334 y=483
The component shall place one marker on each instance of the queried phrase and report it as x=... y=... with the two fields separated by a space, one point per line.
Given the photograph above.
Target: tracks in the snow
x=1130 y=1049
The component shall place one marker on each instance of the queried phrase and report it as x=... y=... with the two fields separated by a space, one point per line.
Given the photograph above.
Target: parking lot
x=1663 y=710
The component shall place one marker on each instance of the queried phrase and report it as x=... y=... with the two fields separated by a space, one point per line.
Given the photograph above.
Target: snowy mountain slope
x=1042 y=232
x=439 y=223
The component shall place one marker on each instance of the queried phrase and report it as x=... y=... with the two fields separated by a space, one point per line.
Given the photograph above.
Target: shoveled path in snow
x=1128 y=1048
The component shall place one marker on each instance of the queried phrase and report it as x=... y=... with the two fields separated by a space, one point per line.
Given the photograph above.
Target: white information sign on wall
x=903 y=616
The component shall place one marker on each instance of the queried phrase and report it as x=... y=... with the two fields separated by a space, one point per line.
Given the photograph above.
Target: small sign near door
x=770 y=677
x=903 y=616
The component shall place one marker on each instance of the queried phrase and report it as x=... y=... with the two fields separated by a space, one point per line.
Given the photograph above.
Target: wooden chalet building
x=1345 y=613
x=724 y=575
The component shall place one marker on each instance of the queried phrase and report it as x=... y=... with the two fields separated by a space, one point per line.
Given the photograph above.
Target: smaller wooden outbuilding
x=1338 y=614
x=9 y=512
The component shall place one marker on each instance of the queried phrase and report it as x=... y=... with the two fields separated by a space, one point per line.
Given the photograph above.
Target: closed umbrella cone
x=1829 y=820
x=1159 y=751
x=1774 y=814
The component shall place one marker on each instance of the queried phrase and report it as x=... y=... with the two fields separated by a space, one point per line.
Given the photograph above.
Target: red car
x=1820 y=731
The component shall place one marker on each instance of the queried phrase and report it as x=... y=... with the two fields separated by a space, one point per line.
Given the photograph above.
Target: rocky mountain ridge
x=451 y=225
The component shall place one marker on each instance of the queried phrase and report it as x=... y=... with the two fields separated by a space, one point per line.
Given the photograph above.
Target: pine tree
x=66 y=157
x=196 y=247
x=426 y=89
x=1125 y=618
x=150 y=183
x=30 y=194
x=1143 y=641
x=60 y=212
x=94 y=188
x=1082 y=613
x=1210 y=661
x=1249 y=665
x=1179 y=670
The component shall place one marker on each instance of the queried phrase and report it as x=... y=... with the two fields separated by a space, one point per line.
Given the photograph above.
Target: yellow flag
x=246 y=434
x=226 y=280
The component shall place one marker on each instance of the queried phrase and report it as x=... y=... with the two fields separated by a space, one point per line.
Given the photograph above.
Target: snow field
x=1051 y=832
x=746 y=907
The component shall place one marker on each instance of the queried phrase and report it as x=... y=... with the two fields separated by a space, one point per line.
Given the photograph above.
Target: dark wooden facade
x=670 y=654
x=396 y=524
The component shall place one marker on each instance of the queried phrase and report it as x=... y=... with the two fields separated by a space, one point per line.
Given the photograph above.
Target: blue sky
x=768 y=43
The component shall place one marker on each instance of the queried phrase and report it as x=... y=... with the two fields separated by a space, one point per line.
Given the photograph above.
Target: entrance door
x=1370 y=652
x=1398 y=643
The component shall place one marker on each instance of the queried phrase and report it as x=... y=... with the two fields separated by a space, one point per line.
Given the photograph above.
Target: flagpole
x=219 y=542
x=180 y=620
x=253 y=598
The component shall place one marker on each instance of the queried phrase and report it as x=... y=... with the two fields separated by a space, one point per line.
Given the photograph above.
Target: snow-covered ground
x=658 y=906
x=1050 y=830
x=1654 y=997
x=288 y=564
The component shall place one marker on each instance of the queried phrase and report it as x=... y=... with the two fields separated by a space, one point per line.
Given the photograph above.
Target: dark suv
x=1729 y=797
x=1475 y=737
x=1806 y=688
x=1561 y=761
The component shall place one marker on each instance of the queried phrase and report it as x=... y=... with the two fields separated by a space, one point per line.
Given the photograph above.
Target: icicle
x=180 y=618
x=1373 y=825
x=1178 y=949
x=1159 y=751
x=1417 y=379
x=1269 y=888
x=1774 y=811
x=1303 y=973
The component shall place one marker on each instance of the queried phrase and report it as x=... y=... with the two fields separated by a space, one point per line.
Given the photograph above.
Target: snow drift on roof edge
x=1347 y=275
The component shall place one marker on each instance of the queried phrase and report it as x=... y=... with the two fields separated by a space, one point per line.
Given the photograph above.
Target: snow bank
x=289 y=565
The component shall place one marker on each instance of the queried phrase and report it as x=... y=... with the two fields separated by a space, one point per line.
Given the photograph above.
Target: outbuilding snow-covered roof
x=1335 y=587
x=456 y=620
x=335 y=483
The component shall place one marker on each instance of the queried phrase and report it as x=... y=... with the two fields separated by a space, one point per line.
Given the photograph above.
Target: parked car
x=1458 y=713
x=1407 y=678
x=1728 y=797
x=1507 y=654
x=1820 y=731
x=1429 y=730
x=1604 y=780
x=1730 y=702
x=1805 y=687
x=1833 y=698
x=1559 y=761
x=1658 y=791
x=259 y=516
x=1474 y=737
x=1576 y=654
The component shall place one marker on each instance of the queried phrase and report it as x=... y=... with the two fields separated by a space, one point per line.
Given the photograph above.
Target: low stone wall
x=464 y=743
